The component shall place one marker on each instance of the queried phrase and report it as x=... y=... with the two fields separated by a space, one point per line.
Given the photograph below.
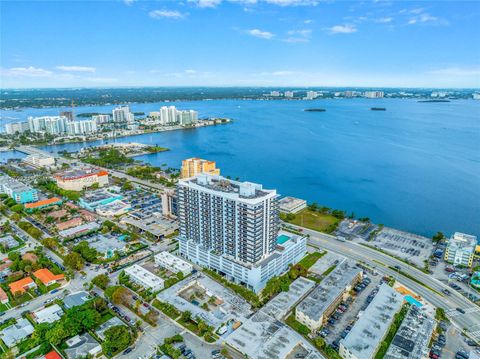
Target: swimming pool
x=282 y=238
x=412 y=300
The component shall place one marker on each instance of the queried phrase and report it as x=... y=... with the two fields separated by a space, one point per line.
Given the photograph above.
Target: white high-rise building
x=311 y=95
x=81 y=127
x=373 y=94
x=101 y=118
x=16 y=127
x=170 y=115
x=461 y=249
x=48 y=124
x=232 y=227
x=289 y=94
x=122 y=114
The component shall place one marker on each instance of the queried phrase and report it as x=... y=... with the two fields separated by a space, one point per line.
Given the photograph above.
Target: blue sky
x=240 y=43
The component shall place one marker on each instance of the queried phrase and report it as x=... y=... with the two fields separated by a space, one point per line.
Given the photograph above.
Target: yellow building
x=194 y=166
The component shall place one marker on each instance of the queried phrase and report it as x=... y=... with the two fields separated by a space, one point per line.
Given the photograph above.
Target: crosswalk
x=454 y=312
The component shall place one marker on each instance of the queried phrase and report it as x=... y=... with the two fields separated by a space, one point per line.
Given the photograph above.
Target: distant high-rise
x=67 y=114
x=16 y=127
x=49 y=124
x=99 y=119
x=373 y=94
x=122 y=114
x=289 y=94
x=195 y=166
x=170 y=115
x=311 y=95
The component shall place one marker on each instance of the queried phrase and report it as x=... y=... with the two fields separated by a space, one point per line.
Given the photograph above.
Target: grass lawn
x=296 y=325
x=310 y=259
x=3 y=307
x=314 y=220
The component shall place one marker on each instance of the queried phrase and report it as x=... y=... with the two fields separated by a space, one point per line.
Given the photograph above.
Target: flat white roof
x=141 y=274
x=174 y=261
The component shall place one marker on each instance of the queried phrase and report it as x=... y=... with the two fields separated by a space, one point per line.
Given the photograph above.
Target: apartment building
x=173 y=263
x=145 y=278
x=315 y=309
x=461 y=249
x=195 y=166
x=368 y=333
x=17 y=190
x=232 y=227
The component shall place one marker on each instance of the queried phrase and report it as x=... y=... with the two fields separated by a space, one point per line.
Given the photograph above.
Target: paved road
x=470 y=321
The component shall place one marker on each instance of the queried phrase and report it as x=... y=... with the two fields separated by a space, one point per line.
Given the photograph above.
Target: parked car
x=461 y=310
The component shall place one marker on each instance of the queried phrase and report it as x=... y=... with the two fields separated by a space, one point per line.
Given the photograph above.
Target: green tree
x=117 y=338
x=186 y=316
x=74 y=261
x=101 y=281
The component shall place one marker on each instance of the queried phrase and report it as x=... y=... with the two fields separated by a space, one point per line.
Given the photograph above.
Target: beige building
x=78 y=179
x=194 y=166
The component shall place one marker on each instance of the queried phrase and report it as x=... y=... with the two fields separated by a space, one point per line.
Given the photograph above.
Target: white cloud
x=278 y=73
x=128 y=2
x=260 y=34
x=457 y=71
x=206 y=3
x=76 y=68
x=343 y=29
x=384 y=20
x=293 y=2
x=169 y=14
x=298 y=36
x=27 y=72
x=190 y=71
x=308 y=21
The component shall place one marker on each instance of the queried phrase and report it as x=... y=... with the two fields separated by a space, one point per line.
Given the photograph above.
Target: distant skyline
x=240 y=43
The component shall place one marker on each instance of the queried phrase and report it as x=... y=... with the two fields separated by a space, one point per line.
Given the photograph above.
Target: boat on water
x=438 y=100
x=314 y=110
x=378 y=109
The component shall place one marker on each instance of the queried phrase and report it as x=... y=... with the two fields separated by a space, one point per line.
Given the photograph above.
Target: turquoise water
x=415 y=166
x=413 y=301
x=282 y=238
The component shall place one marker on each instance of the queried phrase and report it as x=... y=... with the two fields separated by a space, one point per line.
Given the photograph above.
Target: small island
x=378 y=109
x=314 y=110
x=437 y=100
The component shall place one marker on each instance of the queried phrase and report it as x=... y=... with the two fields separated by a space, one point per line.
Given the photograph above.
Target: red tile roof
x=46 y=276
x=19 y=285
x=52 y=355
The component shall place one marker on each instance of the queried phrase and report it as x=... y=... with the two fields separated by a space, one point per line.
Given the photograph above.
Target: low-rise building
x=173 y=263
x=82 y=345
x=48 y=314
x=47 y=277
x=52 y=355
x=8 y=242
x=17 y=332
x=366 y=336
x=17 y=190
x=3 y=296
x=314 y=310
x=40 y=160
x=74 y=222
x=461 y=249
x=80 y=230
x=76 y=299
x=44 y=203
x=291 y=205
x=101 y=197
x=113 y=209
x=22 y=285
x=412 y=338
x=145 y=278
x=77 y=179
x=155 y=226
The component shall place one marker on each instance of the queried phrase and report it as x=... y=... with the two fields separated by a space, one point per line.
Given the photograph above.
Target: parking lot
x=355 y=304
x=408 y=246
x=453 y=277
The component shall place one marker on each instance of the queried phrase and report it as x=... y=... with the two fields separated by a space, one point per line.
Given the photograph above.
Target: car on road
x=461 y=310
x=126 y=351
x=446 y=291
